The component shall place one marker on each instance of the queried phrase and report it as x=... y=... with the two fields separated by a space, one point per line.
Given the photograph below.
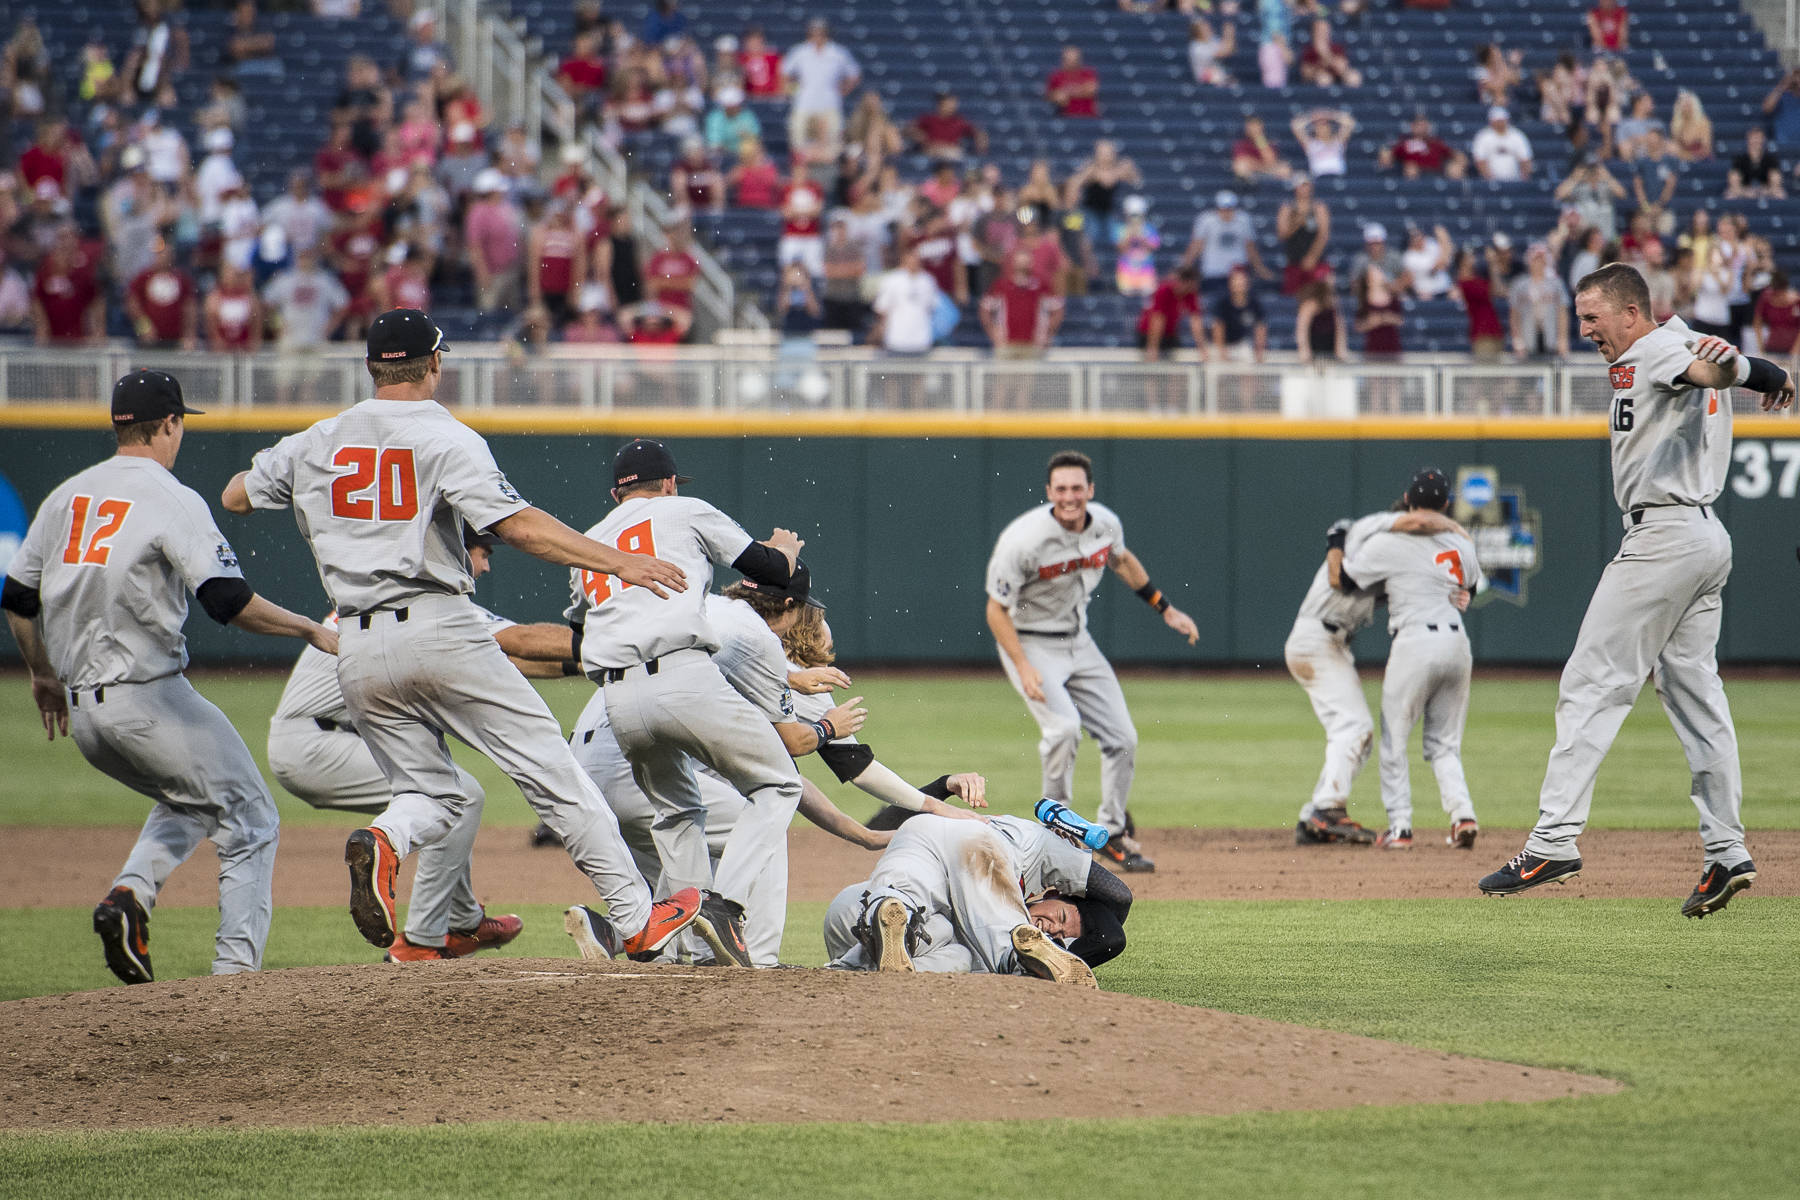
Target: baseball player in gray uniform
x=1042 y=573
x=1320 y=660
x=1656 y=609
x=96 y=597
x=1428 y=581
x=980 y=896
x=667 y=702
x=382 y=492
x=316 y=754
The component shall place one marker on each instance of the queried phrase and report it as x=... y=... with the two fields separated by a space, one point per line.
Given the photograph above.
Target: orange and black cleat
x=373 y=868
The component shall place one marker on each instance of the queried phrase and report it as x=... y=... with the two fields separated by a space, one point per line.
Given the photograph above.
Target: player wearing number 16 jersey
x=1657 y=607
x=1427 y=579
x=382 y=493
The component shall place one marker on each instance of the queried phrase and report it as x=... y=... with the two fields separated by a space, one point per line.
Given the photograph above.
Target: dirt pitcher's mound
x=549 y=1039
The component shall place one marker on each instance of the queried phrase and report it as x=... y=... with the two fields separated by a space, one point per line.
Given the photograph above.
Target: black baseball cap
x=473 y=537
x=148 y=396
x=1428 y=489
x=642 y=461
x=403 y=333
x=799 y=586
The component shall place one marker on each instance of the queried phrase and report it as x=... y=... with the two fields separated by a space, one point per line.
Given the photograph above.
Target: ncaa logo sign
x=1507 y=534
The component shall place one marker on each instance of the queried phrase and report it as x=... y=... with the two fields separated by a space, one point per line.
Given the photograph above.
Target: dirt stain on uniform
x=983 y=858
x=1303 y=670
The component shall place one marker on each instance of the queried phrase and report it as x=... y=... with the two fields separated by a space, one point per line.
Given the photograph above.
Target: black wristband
x=1765 y=376
x=1150 y=595
x=821 y=731
x=831 y=734
x=16 y=597
x=570 y=667
x=1337 y=536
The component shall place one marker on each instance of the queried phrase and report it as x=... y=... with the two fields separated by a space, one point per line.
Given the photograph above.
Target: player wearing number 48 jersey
x=96 y=597
x=1657 y=607
x=382 y=493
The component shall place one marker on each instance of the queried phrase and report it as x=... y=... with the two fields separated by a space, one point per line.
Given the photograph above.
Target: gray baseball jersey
x=1349 y=611
x=1671 y=441
x=312 y=689
x=114 y=552
x=624 y=625
x=1041 y=859
x=381 y=493
x=1043 y=575
x=750 y=657
x=1419 y=573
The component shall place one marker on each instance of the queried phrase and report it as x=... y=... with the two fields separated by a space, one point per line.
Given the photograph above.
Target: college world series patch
x=1622 y=377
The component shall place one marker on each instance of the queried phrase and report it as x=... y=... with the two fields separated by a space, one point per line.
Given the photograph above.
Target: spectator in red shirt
x=1609 y=25
x=337 y=167
x=1421 y=153
x=1778 y=316
x=234 y=314
x=66 y=303
x=44 y=160
x=583 y=73
x=693 y=181
x=671 y=273
x=761 y=66
x=163 y=304
x=802 y=237
x=1020 y=315
x=1074 y=87
x=941 y=133
x=351 y=253
x=1254 y=156
x=1048 y=262
x=755 y=182
x=1159 y=324
x=1487 y=337
x=1326 y=63
x=655 y=323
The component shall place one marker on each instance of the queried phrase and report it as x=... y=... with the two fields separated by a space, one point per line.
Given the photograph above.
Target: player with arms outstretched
x=1658 y=605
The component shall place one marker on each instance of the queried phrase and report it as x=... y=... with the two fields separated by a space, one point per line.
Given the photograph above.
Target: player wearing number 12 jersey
x=382 y=493
x=1427 y=579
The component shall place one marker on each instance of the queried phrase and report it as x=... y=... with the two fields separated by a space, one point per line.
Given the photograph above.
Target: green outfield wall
x=898 y=523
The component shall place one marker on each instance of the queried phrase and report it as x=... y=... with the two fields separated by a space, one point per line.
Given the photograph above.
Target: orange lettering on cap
x=393 y=354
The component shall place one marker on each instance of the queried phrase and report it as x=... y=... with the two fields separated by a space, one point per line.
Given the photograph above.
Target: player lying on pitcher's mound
x=1657 y=608
x=991 y=897
x=1320 y=660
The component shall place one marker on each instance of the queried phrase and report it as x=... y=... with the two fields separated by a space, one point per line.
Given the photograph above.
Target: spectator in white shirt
x=309 y=303
x=1500 y=151
x=1324 y=134
x=302 y=216
x=217 y=174
x=904 y=307
x=820 y=73
x=1426 y=261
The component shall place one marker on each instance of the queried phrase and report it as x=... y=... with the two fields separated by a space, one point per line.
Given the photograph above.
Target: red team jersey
x=162 y=295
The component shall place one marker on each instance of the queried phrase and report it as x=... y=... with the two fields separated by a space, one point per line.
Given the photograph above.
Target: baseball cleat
x=1394 y=839
x=667 y=918
x=1526 y=870
x=1462 y=834
x=373 y=869
x=1124 y=854
x=594 y=935
x=491 y=933
x=1717 y=886
x=721 y=923
x=124 y=929
x=887 y=936
x=1334 y=825
x=543 y=836
x=1044 y=959
x=406 y=950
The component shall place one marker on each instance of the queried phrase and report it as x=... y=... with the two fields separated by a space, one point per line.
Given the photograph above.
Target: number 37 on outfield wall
x=1759 y=463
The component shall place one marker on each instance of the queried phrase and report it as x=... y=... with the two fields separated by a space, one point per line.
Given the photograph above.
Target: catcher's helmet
x=1429 y=489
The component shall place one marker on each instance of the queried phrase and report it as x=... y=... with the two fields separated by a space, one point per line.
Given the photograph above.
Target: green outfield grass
x=1213 y=752
x=1696 y=1017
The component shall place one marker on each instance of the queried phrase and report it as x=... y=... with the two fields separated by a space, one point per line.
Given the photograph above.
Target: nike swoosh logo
x=1533 y=873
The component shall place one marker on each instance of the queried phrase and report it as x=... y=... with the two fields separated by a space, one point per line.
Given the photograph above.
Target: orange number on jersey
x=399 y=493
x=596 y=586
x=637 y=540
x=361 y=461
x=1452 y=560
x=78 y=511
x=113 y=514
x=396 y=484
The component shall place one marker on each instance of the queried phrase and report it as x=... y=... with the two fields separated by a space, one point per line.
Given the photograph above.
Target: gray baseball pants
x=681 y=718
x=408 y=683
x=165 y=740
x=1427 y=679
x=962 y=875
x=1321 y=662
x=942 y=954
x=1656 y=611
x=333 y=769
x=597 y=750
x=1080 y=692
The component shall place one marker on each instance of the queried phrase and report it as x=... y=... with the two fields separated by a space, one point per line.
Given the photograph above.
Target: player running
x=382 y=493
x=1657 y=607
x=96 y=596
x=1320 y=660
x=1043 y=572
x=1428 y=581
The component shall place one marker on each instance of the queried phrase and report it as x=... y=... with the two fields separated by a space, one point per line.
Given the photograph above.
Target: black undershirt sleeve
x=938 y=789
x=762 y=564
x=16 y=597
x=579 y=628
x=1345 y=583
x=846 y=761
x=1110 y=890
x=224 y=598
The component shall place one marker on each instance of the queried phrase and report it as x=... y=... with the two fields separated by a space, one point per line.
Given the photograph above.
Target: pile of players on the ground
x=680 y=780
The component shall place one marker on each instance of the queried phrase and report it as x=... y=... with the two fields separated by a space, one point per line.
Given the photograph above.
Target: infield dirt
x=543 y=1039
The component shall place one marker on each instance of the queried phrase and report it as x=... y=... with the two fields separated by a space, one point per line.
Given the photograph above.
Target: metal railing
x=763 y=378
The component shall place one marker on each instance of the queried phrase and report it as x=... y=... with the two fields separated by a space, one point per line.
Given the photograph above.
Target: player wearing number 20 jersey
x=1428 y=665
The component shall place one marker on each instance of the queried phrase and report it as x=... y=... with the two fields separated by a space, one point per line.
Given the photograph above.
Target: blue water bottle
x=1061 y=816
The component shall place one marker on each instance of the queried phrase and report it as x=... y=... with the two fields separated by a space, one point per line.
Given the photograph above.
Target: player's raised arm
x=537 y=533
x=1719 y=364
x=1126 y=566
